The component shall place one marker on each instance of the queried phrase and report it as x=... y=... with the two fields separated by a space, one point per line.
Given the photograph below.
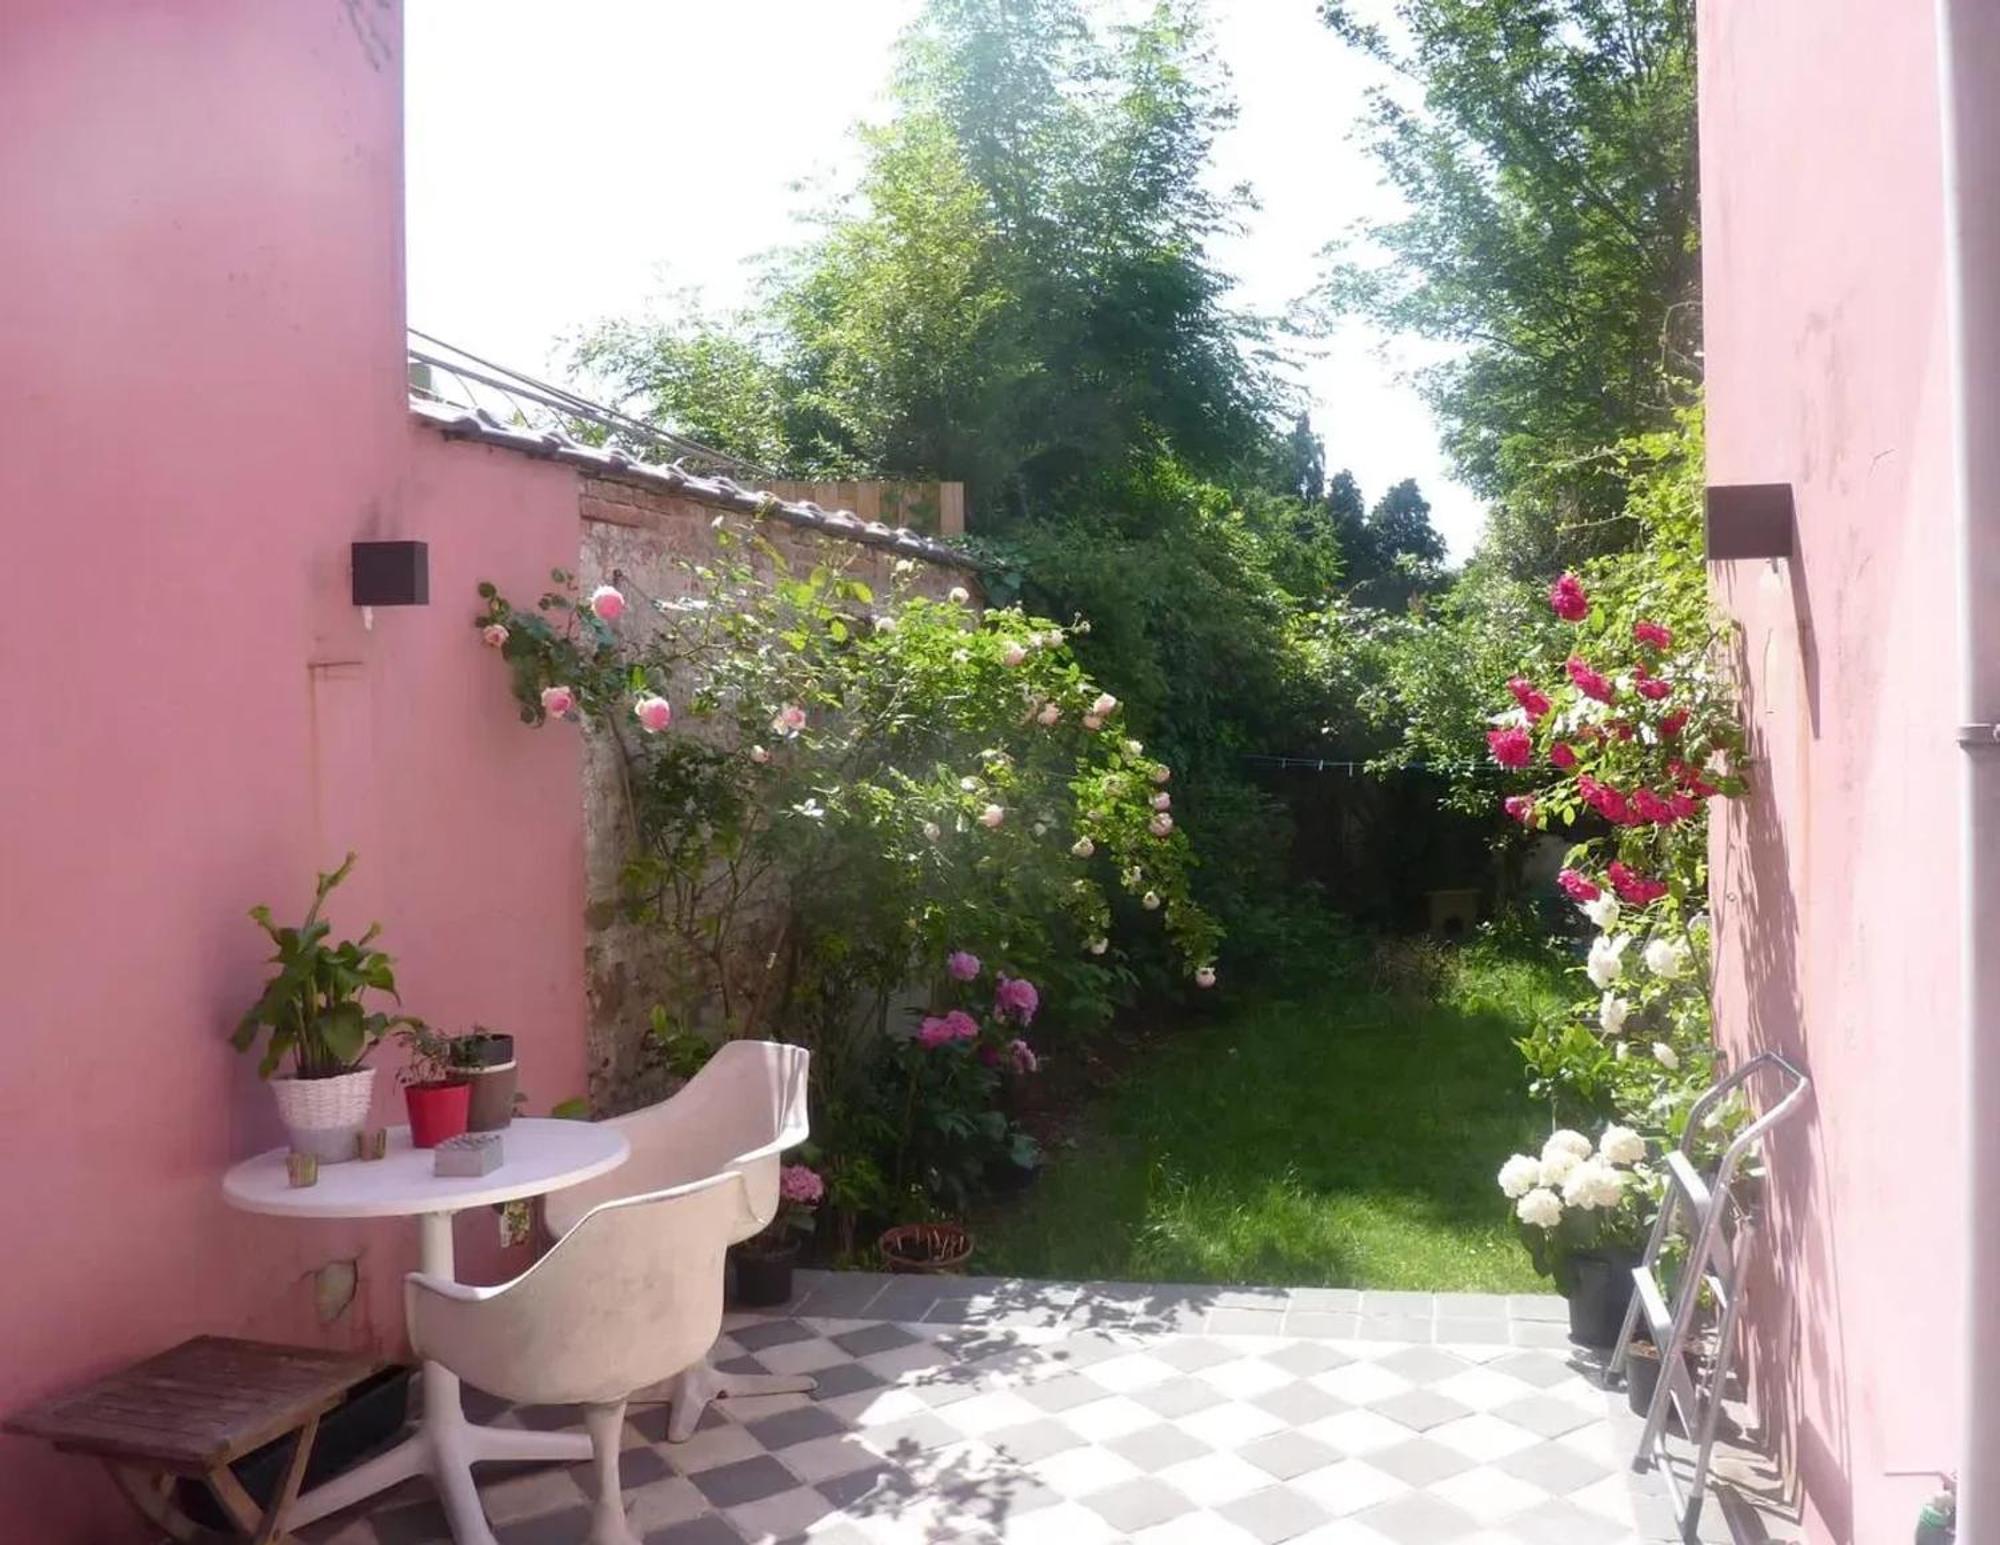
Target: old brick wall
x=644 y=534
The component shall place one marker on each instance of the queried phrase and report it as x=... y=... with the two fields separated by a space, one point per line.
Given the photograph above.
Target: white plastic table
x=540 y=1156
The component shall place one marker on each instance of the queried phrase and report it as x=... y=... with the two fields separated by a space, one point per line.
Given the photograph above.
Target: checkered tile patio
x=985 y=1410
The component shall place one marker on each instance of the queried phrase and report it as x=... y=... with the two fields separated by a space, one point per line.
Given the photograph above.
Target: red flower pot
x=437 y=1112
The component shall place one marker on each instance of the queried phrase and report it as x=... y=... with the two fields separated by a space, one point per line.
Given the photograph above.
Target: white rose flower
x=932 y=831
x=1621 y=1145
x=958 y=595
x=1540 y=1208
x=885 y=624
x=1612 y=1013
x=1607 y=959
x=1666 y=1056
x=1083 y=847
x=1150 y=901
x=1519 y=1175
x=1099 y=946
x=1603 y=911
x=1666 y=957
x=1563 y=1140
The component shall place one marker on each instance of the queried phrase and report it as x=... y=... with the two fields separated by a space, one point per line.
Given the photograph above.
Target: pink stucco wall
x=203 y=404
x=1835 y=884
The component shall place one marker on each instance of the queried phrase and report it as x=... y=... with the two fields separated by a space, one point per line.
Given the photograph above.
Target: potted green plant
x=435 y=1086
x=764 y=1262
x=1581 y=1210
x=315 y=1011
x=487 y=1061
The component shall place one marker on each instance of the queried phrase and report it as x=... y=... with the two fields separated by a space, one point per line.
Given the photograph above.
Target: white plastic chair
x=629 y=1296
x=739 y=1113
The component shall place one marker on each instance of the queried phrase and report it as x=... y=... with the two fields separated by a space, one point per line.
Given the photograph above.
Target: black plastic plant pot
x=764 y=1278
x=1642 y=1376
x=1600 y=1291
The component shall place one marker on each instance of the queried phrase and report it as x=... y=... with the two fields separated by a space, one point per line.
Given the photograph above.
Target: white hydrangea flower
x=1612 y=1013
x=1564 y=1140
x=1666 y=957
x=1621 y=1145
x=1666 y=1056
x=1603 y=911
x=1593 y=1185
x=1540 y=1208
x=1607 y=959
x=1519 y=1175
x=1557 y=1166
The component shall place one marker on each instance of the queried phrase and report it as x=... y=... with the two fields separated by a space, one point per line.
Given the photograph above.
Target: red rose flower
x=1634 y=889
x=1648 y=806
x=1653 y=635
x=1561 y=754
x=1510 y=747
x=1652 y=688
x=1674 y=723
x=1588 y=682
x=1567 y=600
x=1577 y=887
x=1533 y=702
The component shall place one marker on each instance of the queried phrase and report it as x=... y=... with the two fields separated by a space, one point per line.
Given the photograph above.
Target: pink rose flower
x=759 y=755
x=1015 y=998
x=992 y=816
x=1023 y=1055
x=1105 y=706
x=1205 y=976
x=1162 y=774
x=1050 y=713
x=1567 y=600
x=1653 y=635
x=1014 y=654
x=1533 y=701
x=1093 y=721
x=1652 y=688
x=1562 y=755
x=653 y=712
x=1577 y=887
x=1673 y=723
x=789 y=720
x=963 y=965
x=607 y=603
x=1163 y=801
x=1510 y=747
x=558 y=702
x=1521 y=807
x=797 y=1183
x=494 y=634
x=1160 y=825
x=1648 y=806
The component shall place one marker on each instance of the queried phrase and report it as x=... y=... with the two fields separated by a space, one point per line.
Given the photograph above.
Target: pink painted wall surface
x=202 y=319
x=1835 y=883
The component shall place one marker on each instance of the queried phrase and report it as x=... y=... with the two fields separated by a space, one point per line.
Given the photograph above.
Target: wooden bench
x=193 y=1412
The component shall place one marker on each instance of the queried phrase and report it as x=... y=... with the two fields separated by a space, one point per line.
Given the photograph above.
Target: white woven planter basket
x=324 y=1114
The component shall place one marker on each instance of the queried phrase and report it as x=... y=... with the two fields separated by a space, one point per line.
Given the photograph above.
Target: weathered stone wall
x=646 y=535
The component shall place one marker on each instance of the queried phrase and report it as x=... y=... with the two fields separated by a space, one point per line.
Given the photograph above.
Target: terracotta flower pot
x=437 y=1111
x=933 y=1249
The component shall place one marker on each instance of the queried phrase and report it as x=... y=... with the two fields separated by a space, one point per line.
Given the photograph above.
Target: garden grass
x=1346 y=1141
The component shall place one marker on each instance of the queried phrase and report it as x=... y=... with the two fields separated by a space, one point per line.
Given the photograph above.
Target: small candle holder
x=372 y=1145
x=302 y=1169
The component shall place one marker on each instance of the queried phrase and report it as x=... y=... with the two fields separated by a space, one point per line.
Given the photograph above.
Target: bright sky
x=598 y=159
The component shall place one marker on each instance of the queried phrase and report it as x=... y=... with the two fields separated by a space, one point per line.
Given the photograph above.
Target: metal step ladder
x=1717 y=1235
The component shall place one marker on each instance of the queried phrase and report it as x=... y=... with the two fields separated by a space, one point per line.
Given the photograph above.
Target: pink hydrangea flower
x=1578 y=887
x=558 y=702
x=963 y=965
x=1510 y=747
x=1652 y=634
x=653 y=712
x=607 y=603
x=1567 y=599
x=494 y=634
x=1534 y=702
x=1015 y=998
x=1588 y=682
x=800 y=1184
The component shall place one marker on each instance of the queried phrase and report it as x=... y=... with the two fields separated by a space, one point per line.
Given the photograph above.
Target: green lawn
x=1349 y=1141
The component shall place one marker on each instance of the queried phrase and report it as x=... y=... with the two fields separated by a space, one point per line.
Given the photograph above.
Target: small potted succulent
x=764 y=1262
x=486 y=1058
x=435 y=1086
x=1581 y=1210
x=315 y=1011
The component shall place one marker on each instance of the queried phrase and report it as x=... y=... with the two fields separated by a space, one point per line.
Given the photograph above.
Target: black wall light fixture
x=392 y=574
x=1749 y=520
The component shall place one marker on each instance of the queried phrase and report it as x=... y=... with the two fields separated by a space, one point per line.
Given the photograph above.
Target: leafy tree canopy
x=1545 y=152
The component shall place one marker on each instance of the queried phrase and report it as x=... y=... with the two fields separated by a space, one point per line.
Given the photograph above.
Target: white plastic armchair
x=737 y=1115
x=629 y=1296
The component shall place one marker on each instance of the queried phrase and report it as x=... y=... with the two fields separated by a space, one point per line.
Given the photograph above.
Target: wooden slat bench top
x=203 y=1404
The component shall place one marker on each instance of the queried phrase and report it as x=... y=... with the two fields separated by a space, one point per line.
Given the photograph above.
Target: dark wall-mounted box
x=1749 y=520
x=392 y=574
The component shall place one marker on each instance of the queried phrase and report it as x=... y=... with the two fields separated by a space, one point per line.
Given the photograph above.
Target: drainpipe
x=1969 y=64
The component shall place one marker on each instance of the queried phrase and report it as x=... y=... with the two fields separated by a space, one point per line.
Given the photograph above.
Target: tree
x=1549 y=173
x=1401 y=521
x=1018 y=294
x=1302 y=463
